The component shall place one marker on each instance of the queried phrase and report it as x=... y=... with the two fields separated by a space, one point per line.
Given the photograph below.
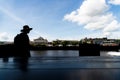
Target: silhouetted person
x=22 y=46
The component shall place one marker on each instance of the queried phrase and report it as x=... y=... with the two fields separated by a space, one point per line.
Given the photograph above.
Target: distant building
x=65 y=43
x=40 y=40
x=97 y=40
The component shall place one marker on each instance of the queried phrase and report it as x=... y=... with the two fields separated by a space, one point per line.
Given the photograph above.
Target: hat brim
x=26 y=29
x=30 y=28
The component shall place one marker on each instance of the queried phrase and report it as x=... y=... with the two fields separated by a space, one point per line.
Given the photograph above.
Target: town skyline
x=46 y=39
x=64 y=20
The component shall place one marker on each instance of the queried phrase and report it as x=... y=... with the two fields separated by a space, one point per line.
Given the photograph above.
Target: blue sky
x=60 y=19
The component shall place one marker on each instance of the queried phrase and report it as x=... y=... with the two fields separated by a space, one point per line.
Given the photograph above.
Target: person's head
x=26 y=29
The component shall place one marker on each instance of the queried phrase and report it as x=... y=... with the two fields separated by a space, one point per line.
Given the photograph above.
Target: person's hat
x=26 y=28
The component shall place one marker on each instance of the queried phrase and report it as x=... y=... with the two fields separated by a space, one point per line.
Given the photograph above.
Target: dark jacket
x=22 y=46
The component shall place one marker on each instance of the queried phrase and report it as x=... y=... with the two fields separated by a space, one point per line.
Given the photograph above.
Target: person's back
x=21 y=42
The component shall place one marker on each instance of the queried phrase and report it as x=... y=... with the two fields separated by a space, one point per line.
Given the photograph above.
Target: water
x=67 y=53
x=55 y=53
x=64 y=65
x=103 y=67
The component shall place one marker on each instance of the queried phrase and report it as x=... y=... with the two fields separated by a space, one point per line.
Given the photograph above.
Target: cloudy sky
x=60 y=19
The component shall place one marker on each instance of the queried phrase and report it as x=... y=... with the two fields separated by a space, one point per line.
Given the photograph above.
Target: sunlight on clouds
x=4 y=36
x=114 y=25
x=115 y=2
x=106 y=34
x=94 y=15
x=87 y=12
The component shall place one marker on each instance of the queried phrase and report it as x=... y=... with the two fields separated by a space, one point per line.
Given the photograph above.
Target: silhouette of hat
x=26 y=28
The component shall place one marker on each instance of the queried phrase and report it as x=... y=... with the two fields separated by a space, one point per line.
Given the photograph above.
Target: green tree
x=74 y=43
x=65 y=43
x=56 y=43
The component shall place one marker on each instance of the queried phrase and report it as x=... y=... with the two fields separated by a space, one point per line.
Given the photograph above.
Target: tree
x=74 y=43
x=65 y=43
x=56 y=43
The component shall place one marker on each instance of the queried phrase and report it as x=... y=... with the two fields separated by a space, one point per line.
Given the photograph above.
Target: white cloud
x=89 y=10
x=106 y=34
x=114 y=25
x=94 y=15
x=115 y=2
x=4 y=36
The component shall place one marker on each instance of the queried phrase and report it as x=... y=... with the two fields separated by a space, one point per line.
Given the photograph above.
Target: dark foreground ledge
x=89 y=50
x=84 y=49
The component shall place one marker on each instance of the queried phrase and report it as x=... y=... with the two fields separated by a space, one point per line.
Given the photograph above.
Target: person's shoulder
x=17 y=36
